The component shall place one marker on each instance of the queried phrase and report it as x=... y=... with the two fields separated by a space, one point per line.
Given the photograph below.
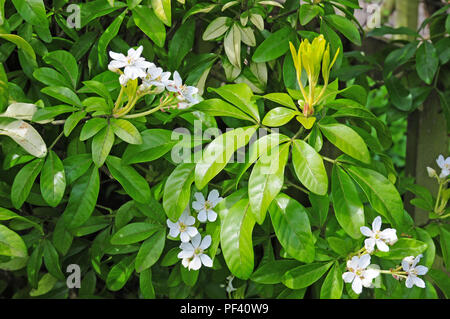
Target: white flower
x=358 y=275
x=409 y=266
x=379 y=238
x=230 y=287
x=205 y=207
x=186 y=94
x=133 y=63
x=444 y=164
x=183 y=227
x=192 y=253
x=156 y=77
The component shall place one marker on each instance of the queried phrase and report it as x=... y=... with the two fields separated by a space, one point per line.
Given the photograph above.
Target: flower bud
x=431 y=172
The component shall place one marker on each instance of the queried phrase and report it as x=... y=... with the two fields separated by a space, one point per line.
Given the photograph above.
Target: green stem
x=56 y=140
x=441 y=184
x=119 y=99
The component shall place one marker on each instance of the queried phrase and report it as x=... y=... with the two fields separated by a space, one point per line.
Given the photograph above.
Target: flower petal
x=421 y=270
x=202 y=216
x=348 y=276
x=206 y=242
x=357 y=285
x=195 y=264
x=381 y=245
x=376 y=225
x=212 y=216
x=364 y=261
x=366 y=231
x=206 y=260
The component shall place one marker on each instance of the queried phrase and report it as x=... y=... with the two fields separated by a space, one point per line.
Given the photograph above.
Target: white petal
x=421 y=270
x=190 y=220
x=369 y=244
x=357 y=285
x=409 y=282
x=185 y=254
x=381 y=245
x=406 y=264
x=196 y=240
x=184 y=236
x=198 y=205
x=177 y=78
x=206 y=242
x=185 y=262
x=416 y=260
x=371 y=273
x=206 y=260
x=117 y=56
x=174 y=232
x=195 y=264
x=202 y=216
x=376 y=225
x=353 y=263
x=187 y=247
x=440 y=161
x=366 y=231
x=200 y=198
x=419 y=282
x=364 y=261
x=213 y=195
x=212 y=216
x=447 y=161
x=348 y=276
x=116 y=64
x=192 y=231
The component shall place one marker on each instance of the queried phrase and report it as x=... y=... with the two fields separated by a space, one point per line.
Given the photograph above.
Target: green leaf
x=146 y=284
x=92 y=127
x=305 y=275
x=274 y=46
x=347 y=140
x=148 y=22
x=427 y=62
x=181 y=43
x=106 y=37
x=11 y=244
x=34 y=265
x=309 y=167
x=76 y=165
x=266 y=180
x=347 y=205
x=155 y=143
x=272 y=272
x=51 y=112
x=381 y=193
x=291 y=224
x=163 y=11
x=320 y=207
x=236 y=239
x=72 y=121
x=333 y=284
x=6 y=214
x=278 y=116
x=63 y=94
x=65 y=63
x=218 y=107
x=134 y=233
x=150 y=251
x=216 y=28
x=126 y=131
x=399 y=95
x=23 y=134
x=308 y=12
x=101 y=145
x=281 y=98
x=82 y=199
x=51 y=77
x=22 y=44
x=232 y=45
x=189 y=277
x=51 y=260
x=201 y=7
x=23 y=182
x=444 y=238
x=344 y=26
x=404 y=247
x=133 y=183
x=120 y=273
x=441 y=279
x=177 y=190
x=240 y=95
x=218 y=153
x=53 y=180
x=46 y=284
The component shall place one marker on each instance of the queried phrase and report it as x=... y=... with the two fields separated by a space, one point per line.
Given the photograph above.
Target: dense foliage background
x=82 y=183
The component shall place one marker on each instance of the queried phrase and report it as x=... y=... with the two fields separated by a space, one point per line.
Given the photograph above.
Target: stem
x=438 y=197
x=298 y=187
x=300 y=131
x=119 y=99
x=329 y=159
x=56 y=140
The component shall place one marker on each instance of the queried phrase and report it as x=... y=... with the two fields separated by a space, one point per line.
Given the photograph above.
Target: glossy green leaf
x=11 y=244
x=309 y=167
x=101 y=145
x=134 y=233
x=65 y=63
x=305 y=275
x=51 y=260
x=163 y=11
x=291 y=224
x=106 y=37
x=181 y=43
x=148 y=22
x=53 y=179
x=23 y=182
x=404 y=247
x=347 y=140
x=216 y=28
x=347 y=205
x=333 y=284
x=177 y=190
x=236 y=239
x=278 y=116
x=133 y=183
x=120 y=273
x=150 y=251
x=126 y=131
x=272 y=272
x=344 y=26
x=63 y=94
x=274 y=46
x=427 y=62
x=92 y=127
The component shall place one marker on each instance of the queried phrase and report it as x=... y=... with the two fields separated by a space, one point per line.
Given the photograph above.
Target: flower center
x=182 y=227
x=198 y=251
x=358 y=272
x=208 y=205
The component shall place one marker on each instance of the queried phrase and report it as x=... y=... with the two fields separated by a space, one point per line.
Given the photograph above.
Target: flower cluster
x=154 y=81
x=444 y=165
x=361 y=273
x=192 y=245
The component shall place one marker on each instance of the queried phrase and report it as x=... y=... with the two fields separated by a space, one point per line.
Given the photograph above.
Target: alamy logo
x=74 y=279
